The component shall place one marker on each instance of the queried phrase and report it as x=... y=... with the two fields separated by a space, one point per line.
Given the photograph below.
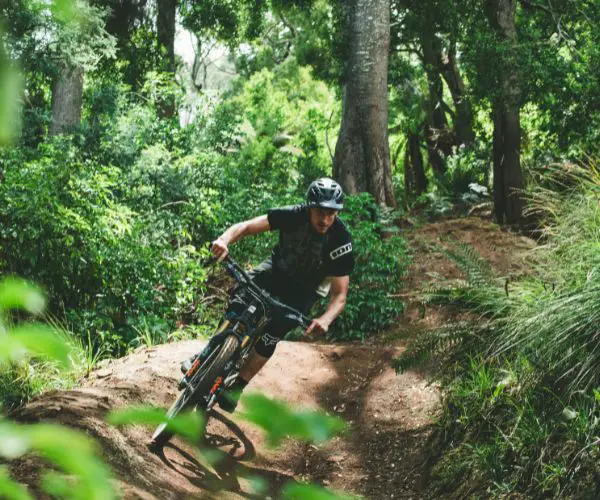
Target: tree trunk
x=437 y=134
x=463 y=122
x=409 y=175
x=508 y=181
x=416 y=161
x=165 y=26
x=362 y=154
x=122 y=17
x=67 y=97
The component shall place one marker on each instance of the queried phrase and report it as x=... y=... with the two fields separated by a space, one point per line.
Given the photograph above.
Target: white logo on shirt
x=343 y=250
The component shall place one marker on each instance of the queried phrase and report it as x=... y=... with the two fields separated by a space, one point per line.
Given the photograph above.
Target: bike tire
x=187 y=400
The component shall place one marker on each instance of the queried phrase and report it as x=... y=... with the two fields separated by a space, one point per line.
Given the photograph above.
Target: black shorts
x=299 y=298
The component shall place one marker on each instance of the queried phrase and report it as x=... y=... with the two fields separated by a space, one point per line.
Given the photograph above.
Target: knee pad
x=266 y=345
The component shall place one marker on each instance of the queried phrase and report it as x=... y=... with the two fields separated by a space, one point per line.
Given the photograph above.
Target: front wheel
x=200 y=386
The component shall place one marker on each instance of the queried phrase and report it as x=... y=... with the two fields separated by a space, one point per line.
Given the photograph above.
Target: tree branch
x=327 y=135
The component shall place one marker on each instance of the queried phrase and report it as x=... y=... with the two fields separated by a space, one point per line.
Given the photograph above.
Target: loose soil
x=390 y=416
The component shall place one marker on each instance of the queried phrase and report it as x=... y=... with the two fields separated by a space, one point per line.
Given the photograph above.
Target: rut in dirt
x=381 y=456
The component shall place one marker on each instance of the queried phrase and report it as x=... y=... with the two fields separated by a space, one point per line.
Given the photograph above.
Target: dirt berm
x=389 y=416
x=380 y=456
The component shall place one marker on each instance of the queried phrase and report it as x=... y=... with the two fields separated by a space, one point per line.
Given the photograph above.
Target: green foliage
x=521 y=408
x=373 y=303
x=79 y=458
x=22 y=377
x=299 y=491
x=279 y=421
x=106 y=256
x=188 y=425
x=434 y=344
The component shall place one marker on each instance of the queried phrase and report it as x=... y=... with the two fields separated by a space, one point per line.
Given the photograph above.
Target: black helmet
x=325 y=193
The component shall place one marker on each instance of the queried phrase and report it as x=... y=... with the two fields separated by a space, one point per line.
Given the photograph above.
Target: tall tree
x=362 y=154
x=415 y=181
x=508 y=179
x=437 y=130
x=67 y=97
x=165 y=27
x=463 y=117
x=80 y=43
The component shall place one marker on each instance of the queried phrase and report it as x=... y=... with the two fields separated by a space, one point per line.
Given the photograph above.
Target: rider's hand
x=219 y=249
x=318 y=325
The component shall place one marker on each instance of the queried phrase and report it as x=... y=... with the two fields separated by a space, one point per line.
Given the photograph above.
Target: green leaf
x=10 y=97
x=56 y=485
x=10 y=82
x=279 y=421
x=189 y=425
x=63 y=10
x=10 y=489
x=70 y=450
x=34 y=339
x=300 y=491
x=18 y=294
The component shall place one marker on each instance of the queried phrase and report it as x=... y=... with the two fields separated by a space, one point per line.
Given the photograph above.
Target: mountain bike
x=216 y=368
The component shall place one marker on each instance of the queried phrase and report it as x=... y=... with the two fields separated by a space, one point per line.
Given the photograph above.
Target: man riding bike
x=313 y=255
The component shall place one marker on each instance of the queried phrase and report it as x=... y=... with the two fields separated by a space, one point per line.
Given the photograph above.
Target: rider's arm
x=238 y=231
x=337 y=302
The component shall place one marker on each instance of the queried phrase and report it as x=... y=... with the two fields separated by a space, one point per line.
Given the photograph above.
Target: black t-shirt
x=305 y=256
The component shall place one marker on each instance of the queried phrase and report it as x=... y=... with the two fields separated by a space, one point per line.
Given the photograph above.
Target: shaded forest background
x=123 y=158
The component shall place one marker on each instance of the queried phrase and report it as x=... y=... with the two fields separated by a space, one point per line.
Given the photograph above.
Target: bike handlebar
x=241 y=275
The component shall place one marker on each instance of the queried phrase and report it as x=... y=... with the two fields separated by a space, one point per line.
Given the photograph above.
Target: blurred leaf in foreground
x=299 y=491
x=10 y=96
x=36 y=340
x=71 y=451
x=279 y=421
x=189 y=425
x=11 y=489
x=16 y=293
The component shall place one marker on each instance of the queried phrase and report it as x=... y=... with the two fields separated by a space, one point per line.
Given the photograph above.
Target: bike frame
x=247 y=325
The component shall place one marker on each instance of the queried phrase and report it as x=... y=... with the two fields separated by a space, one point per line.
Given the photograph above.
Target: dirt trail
x=386 y=414
x=390 y=416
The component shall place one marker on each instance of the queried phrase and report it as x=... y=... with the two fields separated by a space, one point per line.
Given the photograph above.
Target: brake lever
x=306 y=321
x=302 y=320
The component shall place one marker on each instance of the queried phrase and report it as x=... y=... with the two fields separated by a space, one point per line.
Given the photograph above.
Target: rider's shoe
x=187 y=364
x=228 y=400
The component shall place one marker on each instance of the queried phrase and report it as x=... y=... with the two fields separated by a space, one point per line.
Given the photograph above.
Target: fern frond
x=475 y=268
x=433 y=343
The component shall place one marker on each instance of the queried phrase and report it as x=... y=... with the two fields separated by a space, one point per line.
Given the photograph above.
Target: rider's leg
x=259 y=356
x=252 y=366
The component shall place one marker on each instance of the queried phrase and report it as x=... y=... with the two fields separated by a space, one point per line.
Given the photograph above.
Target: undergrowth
x=521 y=381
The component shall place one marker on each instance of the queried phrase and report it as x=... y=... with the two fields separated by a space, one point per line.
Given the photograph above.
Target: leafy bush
x=373 y=303
x=108 y=264
x=89 y=477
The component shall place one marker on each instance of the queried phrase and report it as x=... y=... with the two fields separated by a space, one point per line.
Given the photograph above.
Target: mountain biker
x=313 y=255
